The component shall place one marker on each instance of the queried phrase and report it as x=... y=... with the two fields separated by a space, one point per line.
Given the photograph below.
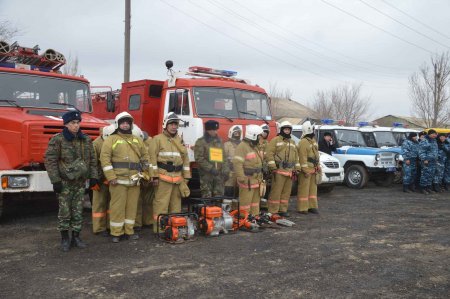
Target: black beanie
x=211 y=125
x=431 y=131
x=411 y=135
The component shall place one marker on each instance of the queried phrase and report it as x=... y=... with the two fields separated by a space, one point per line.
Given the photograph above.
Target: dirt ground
x=376 y=242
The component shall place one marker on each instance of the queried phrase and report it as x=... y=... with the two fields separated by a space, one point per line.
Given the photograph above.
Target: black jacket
x=326 y=147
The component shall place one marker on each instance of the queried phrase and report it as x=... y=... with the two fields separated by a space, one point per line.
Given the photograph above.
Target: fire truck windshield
x=231 y=103
x=41 y=92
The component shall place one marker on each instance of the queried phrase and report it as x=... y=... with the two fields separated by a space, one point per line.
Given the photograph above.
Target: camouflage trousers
x=211 y=185
x=439 y=172
x=409 y=172
x=70 y=215
x=427 y=173
x=447 y=172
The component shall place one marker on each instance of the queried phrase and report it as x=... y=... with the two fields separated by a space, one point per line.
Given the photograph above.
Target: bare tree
x=341 y=103
x=8 y=30
x=430 y=91
x=277 y=95
x=71 y=66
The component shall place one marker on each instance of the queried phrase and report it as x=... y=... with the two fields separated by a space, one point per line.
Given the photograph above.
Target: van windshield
x=232 y=103
x=37 y=91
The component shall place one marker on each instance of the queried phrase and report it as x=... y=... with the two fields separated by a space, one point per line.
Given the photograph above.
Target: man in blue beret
x=70 y=160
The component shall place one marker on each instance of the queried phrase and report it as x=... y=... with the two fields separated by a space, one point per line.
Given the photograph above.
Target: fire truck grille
x=39 y=135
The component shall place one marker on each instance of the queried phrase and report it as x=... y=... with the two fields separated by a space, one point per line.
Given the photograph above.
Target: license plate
x=391 y=169
x=335 y=178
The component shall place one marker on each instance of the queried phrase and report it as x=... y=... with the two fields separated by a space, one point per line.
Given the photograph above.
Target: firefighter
x=170 y=162
x=308 y=153
x=124 y=158
x=212 y=167
x=144 y=215
x=70 y=161
x=247 y=165
x=282 y=160
x=262 y=146
x=234 y=138
x=100 y=192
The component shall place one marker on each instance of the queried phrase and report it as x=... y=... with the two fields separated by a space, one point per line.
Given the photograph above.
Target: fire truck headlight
x=15 y=181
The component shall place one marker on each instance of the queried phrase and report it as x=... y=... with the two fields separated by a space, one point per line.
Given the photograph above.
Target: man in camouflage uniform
x=171 y=171
x=100 y=192
x=308 y=152
x=282 y=159
x=247 y=164
x=70 y=161
x=443 y=149
x=212 y=167
x=124 y=159
x=144 y=215
x=410 y=153
x=447 y=167
x=428 y=152
x=234 y=138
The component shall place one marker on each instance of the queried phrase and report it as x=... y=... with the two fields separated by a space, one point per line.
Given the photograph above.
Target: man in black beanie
x=212 y=167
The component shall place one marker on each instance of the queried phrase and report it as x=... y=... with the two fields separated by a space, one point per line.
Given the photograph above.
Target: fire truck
x=198 y=95
x=33 y=96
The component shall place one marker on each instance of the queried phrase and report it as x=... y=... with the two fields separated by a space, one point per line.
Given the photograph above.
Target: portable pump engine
x=215 y=219
x=176 y=227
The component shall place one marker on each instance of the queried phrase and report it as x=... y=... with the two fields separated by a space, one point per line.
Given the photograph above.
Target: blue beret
x=71 y=115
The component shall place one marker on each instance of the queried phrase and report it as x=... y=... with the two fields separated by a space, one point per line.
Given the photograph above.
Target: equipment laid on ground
x=176 y=227
x=214 y=215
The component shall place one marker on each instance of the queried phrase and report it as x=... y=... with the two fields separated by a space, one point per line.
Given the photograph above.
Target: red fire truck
x=33 y=96
x=198 y=95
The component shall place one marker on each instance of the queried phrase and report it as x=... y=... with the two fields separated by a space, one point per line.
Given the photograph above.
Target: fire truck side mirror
x=110 y=102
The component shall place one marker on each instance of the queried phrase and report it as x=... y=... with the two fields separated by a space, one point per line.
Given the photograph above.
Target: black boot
x=430 y=189
x=76 y=241
x=423 y=190
x=65 y=241
x=445 y=186
x=284 y=214
x=406 y=189
x=412 y=187
x=313 y=210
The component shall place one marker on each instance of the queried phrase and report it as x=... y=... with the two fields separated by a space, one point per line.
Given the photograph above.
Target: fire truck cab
x=33 y=97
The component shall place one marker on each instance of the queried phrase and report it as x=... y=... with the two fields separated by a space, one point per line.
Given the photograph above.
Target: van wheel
x=386 y=180
x=356 y=177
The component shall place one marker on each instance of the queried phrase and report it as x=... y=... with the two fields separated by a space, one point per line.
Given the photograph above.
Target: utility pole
x=126 y=77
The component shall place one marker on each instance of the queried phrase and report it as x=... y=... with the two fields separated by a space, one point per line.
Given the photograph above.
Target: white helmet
x=108 y=130
x=136 y=131
x=170 y=117
x=235 y=128
x=122 y=115
x=252 y=132
x=285 y=124
x=307 y=128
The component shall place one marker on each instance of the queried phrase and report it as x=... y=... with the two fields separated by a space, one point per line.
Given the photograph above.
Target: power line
x=377 y=27
x=307 y=40
x=295 y=44
x=403 y=24
x=415 y=19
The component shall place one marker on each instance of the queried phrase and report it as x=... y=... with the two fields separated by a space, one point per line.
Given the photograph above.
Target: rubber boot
x=412 y=187
x=430 y=189
x=313 y=210
x=436 y=188
x=76 y=241
x=406 y=189
x=65 y=241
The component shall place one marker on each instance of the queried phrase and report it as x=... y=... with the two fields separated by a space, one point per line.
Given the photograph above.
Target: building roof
x=287 y=108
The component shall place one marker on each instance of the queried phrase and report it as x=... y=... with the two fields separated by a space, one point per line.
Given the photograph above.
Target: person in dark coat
x=327 y=145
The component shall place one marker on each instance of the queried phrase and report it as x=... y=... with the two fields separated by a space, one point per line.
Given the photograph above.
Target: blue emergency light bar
x=327 y=121
x=363 y=123
x=207 y=70
x=397 y=125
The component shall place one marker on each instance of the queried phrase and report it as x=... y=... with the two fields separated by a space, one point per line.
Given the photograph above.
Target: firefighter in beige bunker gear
x=144 y=215
x=308 y=152
x=262 y=148
x=247 y=164
x=234 y=138
x=100 y=194
x=282 y=160
x=124 y=158
x=170 y=162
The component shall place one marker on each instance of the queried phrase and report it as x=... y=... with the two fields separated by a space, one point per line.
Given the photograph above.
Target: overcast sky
x=300 y=45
